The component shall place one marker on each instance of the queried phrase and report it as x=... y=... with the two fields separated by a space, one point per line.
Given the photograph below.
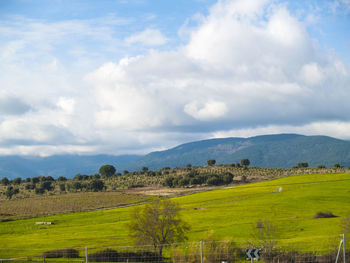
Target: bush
x=110 y=255
x=324 y=215
x=107 y=255
x=96 y=185
x=62 y=253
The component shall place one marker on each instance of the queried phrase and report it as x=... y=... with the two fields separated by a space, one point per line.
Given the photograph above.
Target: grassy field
x=229 y=213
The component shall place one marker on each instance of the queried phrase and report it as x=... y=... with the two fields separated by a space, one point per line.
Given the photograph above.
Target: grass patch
x=231 y=214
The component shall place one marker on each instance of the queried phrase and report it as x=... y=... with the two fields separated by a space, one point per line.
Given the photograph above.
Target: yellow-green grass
x=229 y=213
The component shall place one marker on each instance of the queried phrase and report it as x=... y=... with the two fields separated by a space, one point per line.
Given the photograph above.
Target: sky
x=134 y=76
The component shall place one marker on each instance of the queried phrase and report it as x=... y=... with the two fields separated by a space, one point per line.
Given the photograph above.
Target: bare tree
x=158 y=223
x=265 y=234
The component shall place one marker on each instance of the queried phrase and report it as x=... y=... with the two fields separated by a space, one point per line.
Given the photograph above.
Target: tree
x=266 y=235
x=245 y=162
x=158 y=223
x=144 y=169
x=5 y=181
x=211 y=162
x=61 y=179
x=96 y=185
x=303 y=165
x=10 y=191
x=107 y=170
x=17 y=181
x=337 y=165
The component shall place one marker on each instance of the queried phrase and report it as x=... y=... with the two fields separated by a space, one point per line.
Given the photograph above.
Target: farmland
x=230 y=213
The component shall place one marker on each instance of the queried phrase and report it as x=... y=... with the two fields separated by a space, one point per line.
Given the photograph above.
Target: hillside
x=275 y=151
x=229 y=213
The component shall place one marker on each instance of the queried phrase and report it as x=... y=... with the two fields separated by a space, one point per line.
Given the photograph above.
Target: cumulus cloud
x=248 y=67
x=210 y=110
x=13 y=106
x=148 y=37
x=246 y=63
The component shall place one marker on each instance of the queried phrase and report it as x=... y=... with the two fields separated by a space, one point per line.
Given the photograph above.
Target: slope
x=229 y=213
x=276 y=151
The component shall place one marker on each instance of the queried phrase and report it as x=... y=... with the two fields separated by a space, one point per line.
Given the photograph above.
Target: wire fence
x=195 y=252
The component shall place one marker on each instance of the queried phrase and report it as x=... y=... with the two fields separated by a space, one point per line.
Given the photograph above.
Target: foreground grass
x=229 y=213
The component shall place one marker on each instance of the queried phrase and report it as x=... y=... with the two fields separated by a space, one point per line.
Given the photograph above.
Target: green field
x=229 y=214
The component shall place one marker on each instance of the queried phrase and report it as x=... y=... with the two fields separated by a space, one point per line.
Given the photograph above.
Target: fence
x=209 y=251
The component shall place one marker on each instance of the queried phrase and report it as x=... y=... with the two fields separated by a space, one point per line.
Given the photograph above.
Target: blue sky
x=132 y=76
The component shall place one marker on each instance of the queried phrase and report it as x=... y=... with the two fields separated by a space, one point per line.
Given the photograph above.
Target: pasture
x=225 y=214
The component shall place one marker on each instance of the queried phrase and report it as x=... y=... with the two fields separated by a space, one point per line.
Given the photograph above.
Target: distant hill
x=275 y=151
x=58 y=165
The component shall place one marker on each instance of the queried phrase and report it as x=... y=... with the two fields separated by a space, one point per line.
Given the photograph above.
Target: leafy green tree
x=46 y=186
x=245 y=162
x=107 y=170
x=144 y=169
x=211 y=162
x=10 y=191
x=227 y=178
x=61 y=179
x=5 y=181
x=303 y=165
x=337 y=165
x=35 y=180
x=157 y=224
x=17 y=181
x=96 y=185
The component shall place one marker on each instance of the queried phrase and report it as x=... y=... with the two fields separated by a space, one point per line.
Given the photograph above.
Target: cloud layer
x=248 y=67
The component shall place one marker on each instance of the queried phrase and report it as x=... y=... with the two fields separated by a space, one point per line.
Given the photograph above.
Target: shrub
x=107 y=255
x=214 y=180
x=324 y=215
x=62 y=187
x=62 y=253
x=110 y=255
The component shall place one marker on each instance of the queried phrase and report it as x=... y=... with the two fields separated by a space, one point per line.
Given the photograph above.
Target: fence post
x=86 y=254
x=344 y=251
x=201 y=248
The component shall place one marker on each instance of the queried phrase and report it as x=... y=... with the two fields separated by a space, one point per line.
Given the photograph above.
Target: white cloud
x=249 y=67
x=210 y=110
x=337 y=129
x=148 y=37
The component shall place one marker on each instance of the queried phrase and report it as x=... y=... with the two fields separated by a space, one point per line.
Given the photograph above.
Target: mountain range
x=275 y=151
